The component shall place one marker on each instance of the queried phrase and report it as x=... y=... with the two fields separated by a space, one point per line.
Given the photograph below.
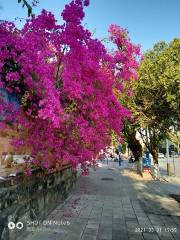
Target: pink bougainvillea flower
x=64 y=82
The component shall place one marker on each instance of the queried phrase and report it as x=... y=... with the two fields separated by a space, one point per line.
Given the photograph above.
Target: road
x=174 y=166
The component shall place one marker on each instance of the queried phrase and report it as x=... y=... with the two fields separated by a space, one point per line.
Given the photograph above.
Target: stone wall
x=32 y=198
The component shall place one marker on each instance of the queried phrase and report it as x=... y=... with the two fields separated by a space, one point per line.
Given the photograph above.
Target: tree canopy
x=66 y=84
x=156 y=100
x=157 y=92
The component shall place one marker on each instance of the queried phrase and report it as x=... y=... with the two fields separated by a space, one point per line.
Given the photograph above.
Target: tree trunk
x=154 y=152
x=134 y=146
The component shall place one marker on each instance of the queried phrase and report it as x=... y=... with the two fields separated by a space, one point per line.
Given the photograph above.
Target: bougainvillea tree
x=66 y=86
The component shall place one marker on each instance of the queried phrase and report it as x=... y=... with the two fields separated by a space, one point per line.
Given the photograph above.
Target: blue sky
x=148 y=21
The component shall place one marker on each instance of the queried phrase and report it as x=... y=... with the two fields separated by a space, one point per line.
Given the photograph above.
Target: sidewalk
x=171 y=179
x=115 y=203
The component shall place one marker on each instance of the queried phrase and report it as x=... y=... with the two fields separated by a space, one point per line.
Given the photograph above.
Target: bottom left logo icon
x=18 y=225
x=11 y=225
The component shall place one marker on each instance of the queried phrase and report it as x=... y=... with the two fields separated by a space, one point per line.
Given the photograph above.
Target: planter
x=24 y=199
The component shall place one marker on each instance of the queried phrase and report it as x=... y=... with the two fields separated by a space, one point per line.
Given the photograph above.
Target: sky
x=148 y=21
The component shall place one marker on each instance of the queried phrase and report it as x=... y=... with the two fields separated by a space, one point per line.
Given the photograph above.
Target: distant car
x=161 y=155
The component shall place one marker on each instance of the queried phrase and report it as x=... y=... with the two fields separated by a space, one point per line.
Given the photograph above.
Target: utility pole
x=167 y=156
x=174 y=162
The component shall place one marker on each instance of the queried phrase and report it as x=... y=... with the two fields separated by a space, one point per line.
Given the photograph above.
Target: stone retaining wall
x=31 y=199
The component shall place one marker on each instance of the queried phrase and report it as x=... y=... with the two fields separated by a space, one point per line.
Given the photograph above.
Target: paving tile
x=116 y=235
x=150 y=236
x=90 y=231
x=93 y=225
x=88 y=237
x=135 y=236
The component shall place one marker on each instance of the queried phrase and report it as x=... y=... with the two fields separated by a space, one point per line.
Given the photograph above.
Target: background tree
x=175 y=139
x=130 y=131
x=156 y=99
x=131 y=125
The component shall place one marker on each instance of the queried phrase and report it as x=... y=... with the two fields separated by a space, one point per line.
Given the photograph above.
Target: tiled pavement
x=125 y=207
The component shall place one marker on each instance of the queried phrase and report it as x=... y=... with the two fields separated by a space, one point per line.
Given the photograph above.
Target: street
x=174 y=166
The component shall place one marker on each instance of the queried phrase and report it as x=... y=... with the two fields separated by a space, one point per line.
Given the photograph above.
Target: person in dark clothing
x=119 y=159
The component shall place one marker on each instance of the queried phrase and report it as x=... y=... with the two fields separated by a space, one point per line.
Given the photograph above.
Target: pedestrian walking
x=120 y=159
x=119 y=154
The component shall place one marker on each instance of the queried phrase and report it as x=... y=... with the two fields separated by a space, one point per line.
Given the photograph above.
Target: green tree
x=131 y=125
x=156 y=100
x=129 y=131
x=175 y=138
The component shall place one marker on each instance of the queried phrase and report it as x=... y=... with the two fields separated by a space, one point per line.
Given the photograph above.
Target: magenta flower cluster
x=64 y=82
